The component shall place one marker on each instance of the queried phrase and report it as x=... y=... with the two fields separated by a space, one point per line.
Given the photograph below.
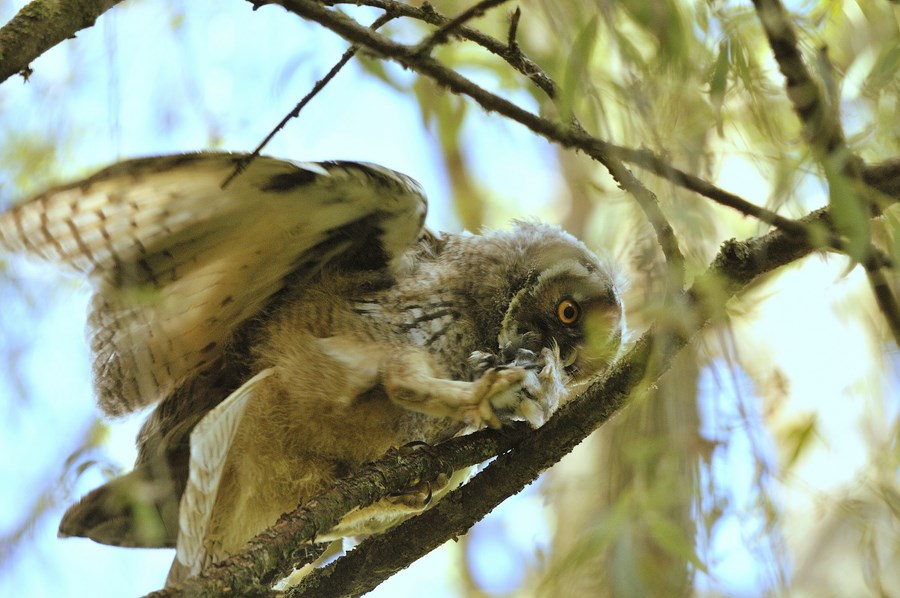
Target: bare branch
x=442 y=33
x=884 y=177
x=652 y=162
x=511 y=42
x=567 y=136
x=40 y=25
x=508 y=52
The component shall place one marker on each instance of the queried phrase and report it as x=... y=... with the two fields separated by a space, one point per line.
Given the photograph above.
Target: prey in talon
x=296 y=324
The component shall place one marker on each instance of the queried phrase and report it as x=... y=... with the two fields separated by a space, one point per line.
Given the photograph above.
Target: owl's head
x=565 y=297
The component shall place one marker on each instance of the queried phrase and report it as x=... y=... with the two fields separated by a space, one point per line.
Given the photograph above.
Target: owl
x=298 y=323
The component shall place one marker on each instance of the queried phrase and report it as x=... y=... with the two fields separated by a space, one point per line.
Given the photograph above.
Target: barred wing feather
x=179 y=263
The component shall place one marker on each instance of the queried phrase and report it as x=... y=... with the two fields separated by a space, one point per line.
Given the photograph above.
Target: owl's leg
x=410 y=380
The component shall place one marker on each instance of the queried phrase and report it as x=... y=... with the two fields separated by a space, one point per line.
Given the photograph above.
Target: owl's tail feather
x=134 y=510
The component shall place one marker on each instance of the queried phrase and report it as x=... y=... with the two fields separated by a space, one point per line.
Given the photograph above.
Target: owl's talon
x=483 y=361
x=420 y=495
x=411 y=447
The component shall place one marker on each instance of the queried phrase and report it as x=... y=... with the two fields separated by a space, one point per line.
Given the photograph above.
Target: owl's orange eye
x=568 y=311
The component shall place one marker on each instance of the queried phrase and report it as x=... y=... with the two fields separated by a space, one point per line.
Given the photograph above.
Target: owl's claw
x=482 y=361
x=411 y=447
x=491 y=391
x=530 y=389
x=419 y=496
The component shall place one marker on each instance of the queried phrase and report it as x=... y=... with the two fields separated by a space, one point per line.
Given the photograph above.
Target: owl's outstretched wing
x=179 y=263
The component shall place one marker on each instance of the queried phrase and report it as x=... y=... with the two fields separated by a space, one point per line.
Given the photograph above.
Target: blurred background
x=764 y=463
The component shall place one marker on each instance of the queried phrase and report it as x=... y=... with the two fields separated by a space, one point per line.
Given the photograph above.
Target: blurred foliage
x=696 y=83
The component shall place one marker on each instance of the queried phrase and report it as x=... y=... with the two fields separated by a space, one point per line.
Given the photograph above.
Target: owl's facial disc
x=572 y=304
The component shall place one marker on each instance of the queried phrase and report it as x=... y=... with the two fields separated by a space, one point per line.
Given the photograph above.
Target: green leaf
x=796 y=439
x=718 y=83
x=848 y=211
x=577 y=70
x=885 y=70
x=672 y=538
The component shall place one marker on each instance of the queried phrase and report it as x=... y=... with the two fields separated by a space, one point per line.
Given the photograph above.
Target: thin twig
x=648 y=202
x=655 y=164
x=242 y=164
x=427 y=14
x=511 y=41
x=827 y=238
x=440 y=35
